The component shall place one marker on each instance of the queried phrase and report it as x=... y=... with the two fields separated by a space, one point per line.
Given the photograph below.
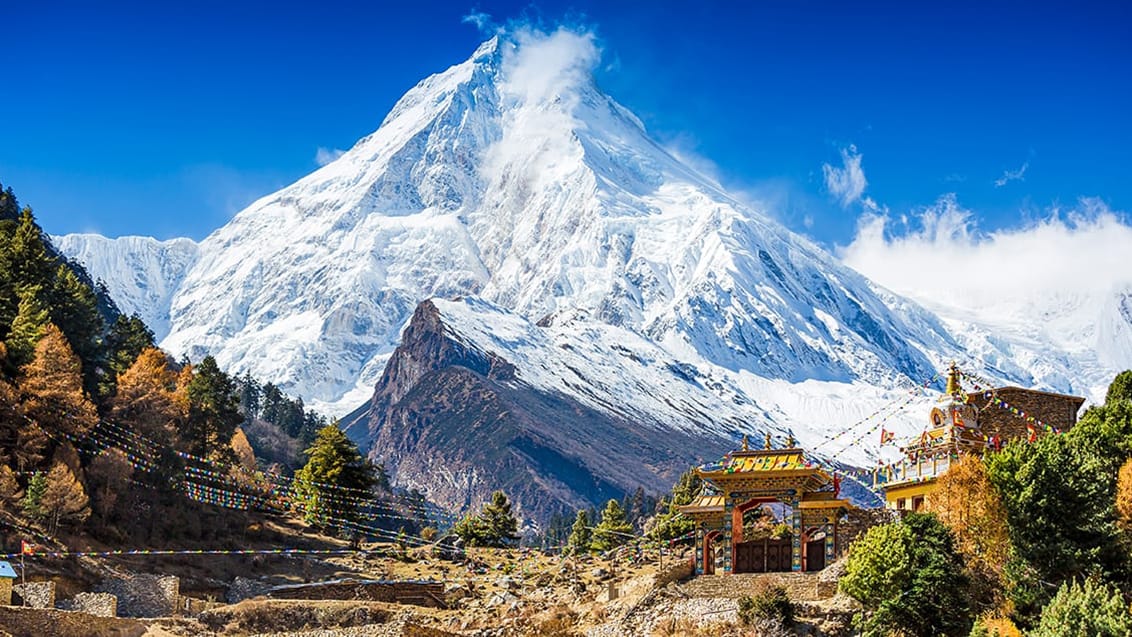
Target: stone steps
x=800 y=586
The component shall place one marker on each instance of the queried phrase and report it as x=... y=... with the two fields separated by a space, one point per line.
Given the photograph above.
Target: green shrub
x=772 y=603
x=1093 y=608
x=910 y=579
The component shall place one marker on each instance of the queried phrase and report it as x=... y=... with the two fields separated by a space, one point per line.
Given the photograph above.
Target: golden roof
x=704 y=504
x=824 y=500
x=764 y=461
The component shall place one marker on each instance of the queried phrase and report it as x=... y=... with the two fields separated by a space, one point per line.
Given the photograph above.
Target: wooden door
x=815 y=555
x=747 y=558
x=778 y=556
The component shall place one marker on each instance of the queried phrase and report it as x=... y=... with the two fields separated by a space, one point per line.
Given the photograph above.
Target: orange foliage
x=1124 y=496
x=967 y=502
x=1000 y=627
x=245 y=456
x=146 y=396
x=53 y=387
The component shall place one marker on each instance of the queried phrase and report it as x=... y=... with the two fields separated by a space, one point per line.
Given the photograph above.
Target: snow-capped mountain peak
x=513 y=178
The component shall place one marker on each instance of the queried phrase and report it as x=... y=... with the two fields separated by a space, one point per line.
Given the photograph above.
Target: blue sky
x=164 y=119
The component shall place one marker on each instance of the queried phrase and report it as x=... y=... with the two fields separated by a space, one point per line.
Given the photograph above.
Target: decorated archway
x=746 y=479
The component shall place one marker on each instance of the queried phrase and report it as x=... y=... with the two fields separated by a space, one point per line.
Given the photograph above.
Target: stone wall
x=243 y=588
x=58 y=623
x=145 y=595
x=682 y=569
x=100 y=604
x=34 y=594
x=419 y=593
x=799 y=586
x=1054 y=410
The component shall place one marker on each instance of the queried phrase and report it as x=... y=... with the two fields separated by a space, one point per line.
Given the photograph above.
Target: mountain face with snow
x=529 y=188
x=141 y=273
x=619 y=314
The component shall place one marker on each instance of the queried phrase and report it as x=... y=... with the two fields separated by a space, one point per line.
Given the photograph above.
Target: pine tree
x=1060 y=494
x=672 y=524
x=636 y=507
x=500 y=522
x=250 y=393
x=334 y=476
x=1120 y=388
x=1092 y=608
x=27 y=327
x=32 y=503
x=145 y=399
x=64 y=499
x=31 y=263
x=242 y=450
x=214 y=410
x=1124 y=498
x=495 y=526
x=9 y=207
x=968 y=504
x=613 y=530
x=581 y=535
x=909 y=578
x=53 y=388
x=25 y=264
x=74 y=310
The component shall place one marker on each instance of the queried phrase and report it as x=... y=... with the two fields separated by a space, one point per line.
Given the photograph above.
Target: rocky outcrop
x=456 y=423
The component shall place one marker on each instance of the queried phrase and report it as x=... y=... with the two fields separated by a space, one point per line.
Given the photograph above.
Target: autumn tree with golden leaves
x=968 y=504
x=21 y=440
x=1124 y=497
x=64 y=501
x=146 y=396
x=52 y=386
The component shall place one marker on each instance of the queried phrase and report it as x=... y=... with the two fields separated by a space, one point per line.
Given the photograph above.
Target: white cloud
x=1012 y=175
x=481 y=20
x=542 y=77
x=326 y=155
x=544 y=66
x=847 y=183
x=1011 y=274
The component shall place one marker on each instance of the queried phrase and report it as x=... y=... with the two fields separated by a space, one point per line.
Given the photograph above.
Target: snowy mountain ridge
x=141 y=273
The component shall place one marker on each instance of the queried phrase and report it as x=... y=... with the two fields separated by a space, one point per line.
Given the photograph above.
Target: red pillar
x=736 y=532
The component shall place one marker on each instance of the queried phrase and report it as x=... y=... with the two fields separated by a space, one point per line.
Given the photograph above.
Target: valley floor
x=491 y=593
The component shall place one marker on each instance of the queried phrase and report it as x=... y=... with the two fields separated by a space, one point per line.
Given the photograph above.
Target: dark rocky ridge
x=457 y=424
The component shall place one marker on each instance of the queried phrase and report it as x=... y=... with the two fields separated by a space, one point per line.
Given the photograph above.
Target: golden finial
x=746 y=443
x=790 y=442
x=953 y=388
x=766 y=441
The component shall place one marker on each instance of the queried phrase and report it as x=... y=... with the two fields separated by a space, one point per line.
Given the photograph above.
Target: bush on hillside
x=772 y=603
x=1092 y=608
x=910 y=579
